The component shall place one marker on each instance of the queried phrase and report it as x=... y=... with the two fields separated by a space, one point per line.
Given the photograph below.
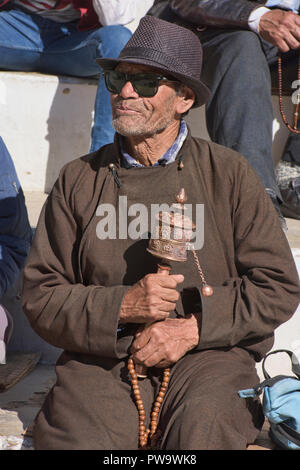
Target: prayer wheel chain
x=297 y=104
x=206 y=289
x=145 y=435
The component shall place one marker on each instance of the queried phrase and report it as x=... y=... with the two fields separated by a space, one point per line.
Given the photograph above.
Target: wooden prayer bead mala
x=296 y=113
x=145 y=435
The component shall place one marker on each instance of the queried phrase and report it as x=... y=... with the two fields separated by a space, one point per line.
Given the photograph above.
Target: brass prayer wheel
x=172 y=232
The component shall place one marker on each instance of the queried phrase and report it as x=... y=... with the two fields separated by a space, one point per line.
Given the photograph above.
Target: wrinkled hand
x=165 y=342
x=151 y=299
x=281 y=28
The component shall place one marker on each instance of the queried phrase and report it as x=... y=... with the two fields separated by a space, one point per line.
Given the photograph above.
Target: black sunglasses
x=145 y=84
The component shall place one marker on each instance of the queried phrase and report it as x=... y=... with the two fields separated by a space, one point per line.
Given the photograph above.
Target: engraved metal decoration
x=172 y=233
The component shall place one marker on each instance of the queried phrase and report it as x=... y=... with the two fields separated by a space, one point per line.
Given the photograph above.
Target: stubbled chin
x=129 y=126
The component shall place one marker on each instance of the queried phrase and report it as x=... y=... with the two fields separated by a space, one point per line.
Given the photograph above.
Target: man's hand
x=151 y=299
x=281 y=28
x=165 y=342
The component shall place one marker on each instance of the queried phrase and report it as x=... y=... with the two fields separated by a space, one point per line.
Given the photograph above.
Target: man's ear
x=185 y=101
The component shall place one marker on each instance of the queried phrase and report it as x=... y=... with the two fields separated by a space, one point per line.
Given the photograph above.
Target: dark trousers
x=236 y=67
x=92 y=406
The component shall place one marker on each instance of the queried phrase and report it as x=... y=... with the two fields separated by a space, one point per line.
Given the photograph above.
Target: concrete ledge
x=46 y=122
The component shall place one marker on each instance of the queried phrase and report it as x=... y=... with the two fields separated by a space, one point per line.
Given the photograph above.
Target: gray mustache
x=129 y=105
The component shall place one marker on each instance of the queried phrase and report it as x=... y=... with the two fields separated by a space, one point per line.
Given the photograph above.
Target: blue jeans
x=15 y=230
x=239 y=114
x=31 y=43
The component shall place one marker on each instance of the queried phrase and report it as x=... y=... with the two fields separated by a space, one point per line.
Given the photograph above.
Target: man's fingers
x=282 y=45
x=281 y=28
x=163 y=289
x=171 y=281
x=169 y=295
x=166 y=307
x=149 y=354
x=150 y=299
x=141 y=340
x=291 y=41
x=155 y=359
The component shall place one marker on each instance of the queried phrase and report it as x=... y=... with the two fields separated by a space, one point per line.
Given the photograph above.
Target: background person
x=64 y=37
x=240 y=42
x=15 y=238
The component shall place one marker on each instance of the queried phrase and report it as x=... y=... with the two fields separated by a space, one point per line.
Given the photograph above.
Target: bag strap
x=294 y=360
x=270 y=381
x=287 y=432
x=258 y=389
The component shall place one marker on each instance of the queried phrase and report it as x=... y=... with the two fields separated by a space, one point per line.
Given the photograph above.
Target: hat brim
x=202 y=92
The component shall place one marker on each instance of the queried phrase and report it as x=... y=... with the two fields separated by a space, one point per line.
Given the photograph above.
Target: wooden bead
x=207 y=291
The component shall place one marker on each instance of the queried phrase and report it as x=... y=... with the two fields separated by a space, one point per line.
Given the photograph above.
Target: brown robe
x=74 y=284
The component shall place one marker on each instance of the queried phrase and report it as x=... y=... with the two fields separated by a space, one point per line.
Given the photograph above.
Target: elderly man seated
x=193 y=329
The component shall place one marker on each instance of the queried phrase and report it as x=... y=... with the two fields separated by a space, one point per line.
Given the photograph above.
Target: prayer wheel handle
x=141 y=371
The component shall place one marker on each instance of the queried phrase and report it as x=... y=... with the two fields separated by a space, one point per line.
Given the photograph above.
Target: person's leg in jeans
x=240 y=114
x=236 y=67
x=20 y=41
x=75 y=53
x=113 y=39
x=31 y=43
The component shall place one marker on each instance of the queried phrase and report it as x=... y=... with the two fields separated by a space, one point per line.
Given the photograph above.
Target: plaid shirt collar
x=168 y=157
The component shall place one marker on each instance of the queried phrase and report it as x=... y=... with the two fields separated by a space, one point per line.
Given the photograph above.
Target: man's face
x=134 y=115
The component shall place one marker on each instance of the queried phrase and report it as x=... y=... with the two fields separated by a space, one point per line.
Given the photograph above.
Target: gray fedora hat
x=167 y=47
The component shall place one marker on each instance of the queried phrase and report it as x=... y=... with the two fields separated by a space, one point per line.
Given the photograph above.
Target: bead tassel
x=147 y=434
x=283 y=115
